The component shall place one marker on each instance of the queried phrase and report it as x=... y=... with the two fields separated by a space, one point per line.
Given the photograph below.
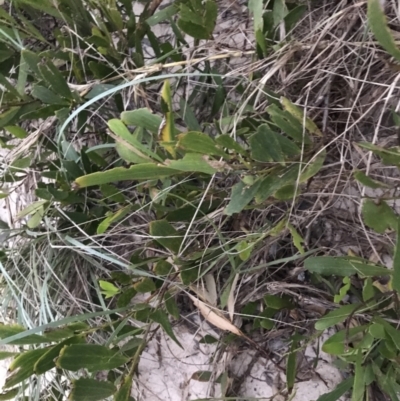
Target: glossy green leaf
x=336 y=316
x=379 y=26
x=344 y=266
x=379 y=216
x=89 y=356
x=91 y=390
x=166 y=235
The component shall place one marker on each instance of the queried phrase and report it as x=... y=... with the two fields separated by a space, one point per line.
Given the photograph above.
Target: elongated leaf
x=123 y=134
x=396 y=261
x=145 y=171
x=161 y=318
x=113 y=218
x=368 y=181
x=226 y=141
x=378 y=24
x=13 y=329
x=23 y=366
x=91 y=390
x=297 y=113
x=341 y=389
x=359 y=385
x=241 y=196
x=142 y=118
x=195 y=162
x=336 y=344
x=199 y=143
x=336 y=316
x=328 y=265
x=9 y=395
x=124 y=392
x=268 y=146
x=166 y=235
x=46 y=361
x=89 y=356
x=256 y=9
x=47 y=96
x=167 y=129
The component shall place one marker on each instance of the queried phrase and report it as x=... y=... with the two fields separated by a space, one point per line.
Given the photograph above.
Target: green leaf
x=13 y=329
x=47 y=96
x=146 y=171
x=6 y=355
x=16 y=131
x=379 y=216
x=341 y=389
x=291 y=367
x=91 y=390
x=46 y=361
x=379 y=27
x=142 y=118
x=89 y=356
x=195 y=162
x=66 y=331
x=336 y=316
x=396 y=261
x=113 y=218
x=188 y=116
x=109 y=289
x=298 y=240
x=226 y=141
x=268 y=146
x=244 y=248
x=171 y=305
x=162 y=15
x=368 y=290
x=359 y=385
x=241 y=196
x=288 y=124
x=125 y=297
x=278 y=303
x=146 y=284
x=57 y=83
x=202 y=376
x=337 y=343
x=279 y=11
x=166 y=235
x=125 y=138
x=124 y=392
x=297 y=113
x=22 y=366
x=199 y=143
x=328 y=265
x=32 y=208
x=256 y=8
x=161 y=318
x=9 y=395
x=368 y=181
x=343 y=290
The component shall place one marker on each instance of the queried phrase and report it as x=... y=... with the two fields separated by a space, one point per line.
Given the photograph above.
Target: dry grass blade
x=213 y=316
